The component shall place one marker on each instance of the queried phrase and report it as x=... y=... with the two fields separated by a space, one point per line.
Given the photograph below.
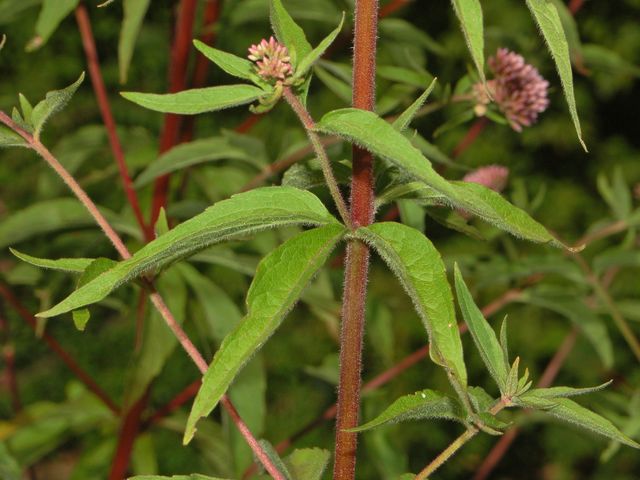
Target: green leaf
x=546 y=16
x=236 y=66
x=193 y=153
x=280 y=279
x=242 y=214
x=197 y=100
x=308 y=60
x=483 y=335
x=134 y=13
x=27 y=109
x=405 y=118
x=418 y=266
x=469 y=13
x=53 y=12
x=379 y=137
x=563 y=392
x=73 y=265
x=9 y=138
x=9 y=468
x=81 y=318
x=53 y=102
x=289 y=33
x=569 y=411
x=42 y=218
x=307 y=463
x=422 y=405
x=277 y=462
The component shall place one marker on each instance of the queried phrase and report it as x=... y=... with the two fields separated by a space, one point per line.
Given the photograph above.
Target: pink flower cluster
x=272 y=59
x=517 y=88
x=492 y=176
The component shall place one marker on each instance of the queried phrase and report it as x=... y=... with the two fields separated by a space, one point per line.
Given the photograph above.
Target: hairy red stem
x=93 y=64
x=178 y=65
x=357 y=259
x=67 y=359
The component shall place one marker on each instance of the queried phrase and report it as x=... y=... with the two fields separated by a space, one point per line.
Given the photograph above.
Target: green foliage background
x=67 y=434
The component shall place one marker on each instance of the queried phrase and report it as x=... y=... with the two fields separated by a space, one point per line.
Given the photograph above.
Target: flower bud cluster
x=272 y=60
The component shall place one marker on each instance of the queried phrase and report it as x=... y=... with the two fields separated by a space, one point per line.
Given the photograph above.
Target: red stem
x=548 y=376
x=68 y=360
x=93 y=64
x=177 y=82
x=127 y=437
x=392 y=7
x=8 y=355
x=575 y=6
x=357 y=259
x=470 y=137
x=176 y=402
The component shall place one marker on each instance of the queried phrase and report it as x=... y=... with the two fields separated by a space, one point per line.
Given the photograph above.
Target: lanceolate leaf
x=289 y=33
x=546 y=16
x=308 y=60
x=193 y=153
x=242 y=214
x=197 y=100
x=373 y=133
x=9 y=138
x=134 y=13
x=561 y=392
x=417 y=406
x=236 y=66
x=469 y=13
x=483 y=335
x=280 y=279
x=73 y=265
x=418 y=266
x=569 y=411
x=53 y=102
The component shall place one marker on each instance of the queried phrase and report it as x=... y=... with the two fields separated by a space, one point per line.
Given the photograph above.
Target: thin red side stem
x=127 y=437
x=551 y=371
x=357 y=259
x=93 y=64
x=66 y=358
x=211 y=14
x=177 y=82
x=471 y=136
x=176 y=402
x=575 y=6
x=392 y=7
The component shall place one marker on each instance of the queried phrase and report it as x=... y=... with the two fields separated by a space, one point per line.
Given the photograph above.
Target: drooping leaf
x=405 y=118
x=242 y=214
x=307 y=463
x=422 y=405
x=469 y=13
x=289 y=33
x=483 y=335
x=73 y=265
x=308 y=60
x=53 y=12
x=192 y=153
x=546 y=16
x=278 y=284
x=197 y=100
x=373 y=133
x=563 y=392
x=134 y=13
x=569 y=411
x=418 y=266
x=53 y=102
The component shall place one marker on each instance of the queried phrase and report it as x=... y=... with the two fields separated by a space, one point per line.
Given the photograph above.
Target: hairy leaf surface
x=280 y=279
x=134 y=13
x=469 y=13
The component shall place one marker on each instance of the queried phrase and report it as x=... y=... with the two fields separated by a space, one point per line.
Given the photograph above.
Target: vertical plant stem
x=177 y=81
x=357 y=259
x=318 y=148
x=93 y=64
x=127 y=437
